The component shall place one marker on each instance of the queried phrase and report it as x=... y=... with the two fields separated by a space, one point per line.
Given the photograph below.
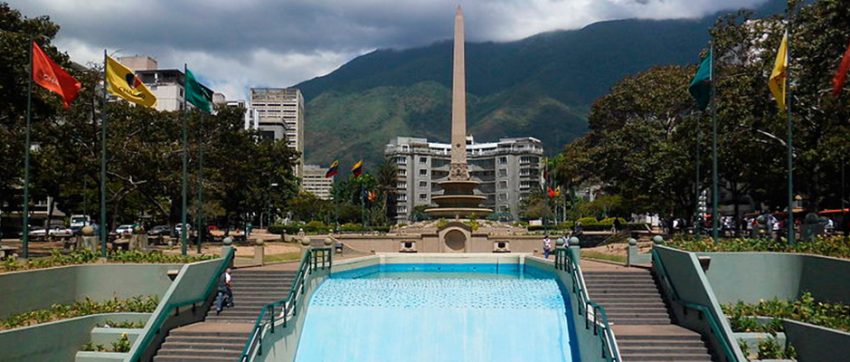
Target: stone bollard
x=574 y=248
x=259 y=252
x=657 y=240
x=305 y=243
x=226 y=245
x=632 y=252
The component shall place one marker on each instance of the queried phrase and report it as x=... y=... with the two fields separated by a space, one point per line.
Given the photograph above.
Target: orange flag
x=843 y=67
x=50 y=76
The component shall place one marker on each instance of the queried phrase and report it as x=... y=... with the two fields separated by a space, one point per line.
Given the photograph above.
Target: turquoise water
x=438 y=312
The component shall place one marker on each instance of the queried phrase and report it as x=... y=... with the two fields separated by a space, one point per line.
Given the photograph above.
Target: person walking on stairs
x=224 y=287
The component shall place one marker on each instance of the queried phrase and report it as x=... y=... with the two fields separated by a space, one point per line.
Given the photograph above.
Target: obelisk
x=458 y=198
x=458 y=169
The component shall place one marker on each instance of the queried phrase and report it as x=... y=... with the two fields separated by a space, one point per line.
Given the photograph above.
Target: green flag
x=197 y=94
x=700 y=87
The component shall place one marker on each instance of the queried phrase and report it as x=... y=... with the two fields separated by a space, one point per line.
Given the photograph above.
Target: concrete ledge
x=90 y=356
x=105 y=336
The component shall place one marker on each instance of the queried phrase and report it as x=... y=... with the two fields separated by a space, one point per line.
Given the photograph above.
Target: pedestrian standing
x=547 y=246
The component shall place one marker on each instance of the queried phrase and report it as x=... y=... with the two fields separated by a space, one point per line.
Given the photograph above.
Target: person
x=617 y=225
x=224 y=285
x=547 y=246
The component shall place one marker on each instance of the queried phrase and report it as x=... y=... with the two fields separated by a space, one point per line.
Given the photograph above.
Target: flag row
x=120 y=81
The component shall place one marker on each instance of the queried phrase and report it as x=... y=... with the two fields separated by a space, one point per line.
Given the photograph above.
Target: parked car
x=60 y=232
x=159 y=230
x=178 y=229
x=125 y=229
x=37 y=232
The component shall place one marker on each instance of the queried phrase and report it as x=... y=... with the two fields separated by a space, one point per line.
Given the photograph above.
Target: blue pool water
x=415 y=312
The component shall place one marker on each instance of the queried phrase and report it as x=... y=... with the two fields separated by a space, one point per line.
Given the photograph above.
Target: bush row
x=314 y=227
x=139 y=304
x=806 y=309
x=828 y=246
x=87 y=256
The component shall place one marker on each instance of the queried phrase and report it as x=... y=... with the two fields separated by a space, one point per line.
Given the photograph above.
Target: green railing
x=315 y=258
x=590 y=310
x=713 y=319
x=172 y=307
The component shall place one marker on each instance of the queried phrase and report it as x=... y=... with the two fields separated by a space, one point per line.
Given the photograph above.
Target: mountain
x=541 y=86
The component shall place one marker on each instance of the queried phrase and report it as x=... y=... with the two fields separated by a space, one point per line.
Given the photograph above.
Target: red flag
x=49 y=75
x=550 y=192
x=838 y=81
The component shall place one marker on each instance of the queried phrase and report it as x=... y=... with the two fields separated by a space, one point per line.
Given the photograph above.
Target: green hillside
x=541 y=86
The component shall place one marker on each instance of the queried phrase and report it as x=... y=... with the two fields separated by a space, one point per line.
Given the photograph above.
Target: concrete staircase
x=222 y=337
x=640 y=319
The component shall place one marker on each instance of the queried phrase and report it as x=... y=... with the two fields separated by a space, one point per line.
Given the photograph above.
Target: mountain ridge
x=540 y=86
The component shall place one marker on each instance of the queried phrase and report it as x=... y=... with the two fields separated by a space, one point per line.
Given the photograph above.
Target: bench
x=7 y=251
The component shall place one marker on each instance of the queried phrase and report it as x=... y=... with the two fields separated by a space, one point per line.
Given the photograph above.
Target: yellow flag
x=779 y=76
x=122 y=82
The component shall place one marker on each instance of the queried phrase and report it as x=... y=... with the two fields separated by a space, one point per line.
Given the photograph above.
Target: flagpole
x=789 y=143
x=200 y=209
x=183 y=231
x=698 y=218
x=25 y=237
x=103 y=224
x=715 y=178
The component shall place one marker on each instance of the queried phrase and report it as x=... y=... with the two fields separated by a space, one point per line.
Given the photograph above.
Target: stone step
x=687 y=336
x=678 y=350
x=618 y=314
x=205 y=339
x=234 y=354
x=235 y=346
x=184 y=333
x=192 y=358
x=666 y=357
x=659 y=343
x=640 y=321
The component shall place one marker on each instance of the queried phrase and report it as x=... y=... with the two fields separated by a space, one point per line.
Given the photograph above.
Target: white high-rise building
x=315 y=182
x=279 y=114
x=507 y=170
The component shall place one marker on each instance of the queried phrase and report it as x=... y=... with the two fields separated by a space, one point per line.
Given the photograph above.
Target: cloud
x=238 y=44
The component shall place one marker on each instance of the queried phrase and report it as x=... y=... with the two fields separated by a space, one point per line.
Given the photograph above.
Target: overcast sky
x=237 y=44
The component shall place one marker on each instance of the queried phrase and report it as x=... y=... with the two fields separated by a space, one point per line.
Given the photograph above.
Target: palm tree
x=387 y=173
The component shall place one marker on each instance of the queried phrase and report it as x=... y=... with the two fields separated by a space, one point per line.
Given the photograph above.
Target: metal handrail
x=610 y=350
x=309 y=263
x=713 y=320
x=160 y=318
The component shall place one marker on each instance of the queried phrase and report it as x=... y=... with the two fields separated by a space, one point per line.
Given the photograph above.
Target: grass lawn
x=590 y=254
x=282 y=258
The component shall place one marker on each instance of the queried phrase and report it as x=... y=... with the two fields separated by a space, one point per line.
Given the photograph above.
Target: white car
x=60 y=232
x=124 y=229
x=178 y=229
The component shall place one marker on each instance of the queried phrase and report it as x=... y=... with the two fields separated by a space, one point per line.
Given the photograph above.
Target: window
x=503 y=184
x=503 y=172
x=402 y=172
x=423 y=172
x=423 y=159
x=423 y=183
x=503 y=197
x=401 y=185
x=423 y=196
x=401 y=160
x=503 y=160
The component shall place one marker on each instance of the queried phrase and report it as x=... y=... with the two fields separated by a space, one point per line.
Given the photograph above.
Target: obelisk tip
x=459 y=11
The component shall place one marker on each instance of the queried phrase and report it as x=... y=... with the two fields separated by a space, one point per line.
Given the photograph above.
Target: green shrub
x=806 y=309
x=122 y=344
x=351 y=227
x=139 y=304
x=587 y=221
x=87 y=256
x=316 y=226
x=277 y=229
x=829 y=246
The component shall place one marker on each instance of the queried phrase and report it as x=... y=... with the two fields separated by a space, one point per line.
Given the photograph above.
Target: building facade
x=315 y=182
x=279 y=114
x=508 y=171
x=166 y=84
